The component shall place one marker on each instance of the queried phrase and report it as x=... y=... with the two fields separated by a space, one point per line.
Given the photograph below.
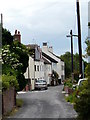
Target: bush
x=9 y=81
x=71 y=98
x=68 y=83
x=82 y=103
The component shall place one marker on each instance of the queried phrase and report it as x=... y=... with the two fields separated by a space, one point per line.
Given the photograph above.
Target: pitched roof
x=49 y=57
x=46 y=61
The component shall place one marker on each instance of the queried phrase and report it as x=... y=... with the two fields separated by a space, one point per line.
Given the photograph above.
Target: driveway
x=45 y=104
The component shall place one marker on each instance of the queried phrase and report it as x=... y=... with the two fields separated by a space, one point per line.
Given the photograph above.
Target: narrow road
x=45 y=104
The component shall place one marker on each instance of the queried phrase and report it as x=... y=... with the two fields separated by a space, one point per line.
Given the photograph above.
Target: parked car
x=41 y=84
x=80 y=81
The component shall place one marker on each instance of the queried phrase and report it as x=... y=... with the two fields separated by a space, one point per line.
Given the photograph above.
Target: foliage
x=22 y=82
x=19 y=102
x=7 y=38
x=55 y=74
x=20 y=50
x=71 y=97
x=54 y=77
x=14 y=58
x=67 y=59
x=82 y=103
x=9 y=81
x=68 y=82
x=68 y=69
x=88 y=46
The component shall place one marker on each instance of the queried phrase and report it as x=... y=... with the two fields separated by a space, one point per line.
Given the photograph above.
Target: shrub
x=82 y=103
x=68 y=83
x=71 y=98
x=9 y=81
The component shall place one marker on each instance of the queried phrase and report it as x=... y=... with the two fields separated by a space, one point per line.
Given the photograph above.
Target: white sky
x=46 y=21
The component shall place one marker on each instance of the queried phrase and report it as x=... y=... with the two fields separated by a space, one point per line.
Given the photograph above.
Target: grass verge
x=19 y=103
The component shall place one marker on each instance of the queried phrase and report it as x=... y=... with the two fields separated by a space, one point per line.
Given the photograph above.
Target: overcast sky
x=46 y=21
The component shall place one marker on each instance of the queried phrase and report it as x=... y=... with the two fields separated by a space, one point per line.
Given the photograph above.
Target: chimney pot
x=45 y=44
x=18 y=32
x=15 y=32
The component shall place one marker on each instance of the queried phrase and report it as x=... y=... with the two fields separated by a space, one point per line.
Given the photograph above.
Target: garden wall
x=8 y=100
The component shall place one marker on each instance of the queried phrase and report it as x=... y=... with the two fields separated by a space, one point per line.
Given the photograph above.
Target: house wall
x=39 y=73
x=47 y=73
x=37 y=53
x=30 y=72
x=62 y=70
x=55 y=66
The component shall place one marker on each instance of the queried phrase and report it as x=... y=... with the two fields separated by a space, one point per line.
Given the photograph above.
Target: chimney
x=51 y=49
x=45 y=47
x=17 y=36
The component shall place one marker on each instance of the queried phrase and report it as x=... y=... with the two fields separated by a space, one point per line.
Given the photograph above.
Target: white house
x=41 y=64
x=29 y=74
x=56 y=63
x=35 y=69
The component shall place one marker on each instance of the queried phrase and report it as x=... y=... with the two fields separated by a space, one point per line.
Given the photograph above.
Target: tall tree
x=15 y=59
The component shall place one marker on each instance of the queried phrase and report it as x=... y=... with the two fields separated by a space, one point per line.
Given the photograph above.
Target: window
x=62 y=67
x=35 y=67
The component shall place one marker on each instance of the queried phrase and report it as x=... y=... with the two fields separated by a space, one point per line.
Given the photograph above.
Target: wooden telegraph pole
x=79 y=38
x=71 y=35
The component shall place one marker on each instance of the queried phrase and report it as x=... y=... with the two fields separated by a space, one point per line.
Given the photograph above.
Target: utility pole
x=1 y=26
x=79 y=39
x=71 y=49
x=2 y=20
x=71 y=53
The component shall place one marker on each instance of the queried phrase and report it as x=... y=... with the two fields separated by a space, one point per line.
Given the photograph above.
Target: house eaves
x=49 y=57
x=46 y=61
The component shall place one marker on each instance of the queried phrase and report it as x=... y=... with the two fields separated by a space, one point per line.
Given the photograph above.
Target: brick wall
x=8 y=100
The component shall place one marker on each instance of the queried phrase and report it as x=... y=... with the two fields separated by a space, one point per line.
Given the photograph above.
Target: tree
x=55 y=77
x=7 y=38
x=14 y=59
x=67 y=59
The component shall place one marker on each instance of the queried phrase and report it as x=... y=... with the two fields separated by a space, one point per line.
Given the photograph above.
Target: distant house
x=35 y=70
x=56 y=63
x=41 y=63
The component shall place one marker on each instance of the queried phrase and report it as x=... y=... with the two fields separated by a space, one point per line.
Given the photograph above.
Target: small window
x=35 y=67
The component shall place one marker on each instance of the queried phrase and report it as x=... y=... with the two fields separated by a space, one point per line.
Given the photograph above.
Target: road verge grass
x=19 y=103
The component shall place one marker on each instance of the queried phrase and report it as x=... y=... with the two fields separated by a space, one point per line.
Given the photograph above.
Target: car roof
x=81 y=80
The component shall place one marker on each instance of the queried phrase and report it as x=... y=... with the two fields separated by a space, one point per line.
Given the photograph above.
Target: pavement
x=45 y=104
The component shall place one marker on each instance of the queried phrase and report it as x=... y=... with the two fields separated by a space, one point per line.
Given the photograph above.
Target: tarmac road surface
x=45 y=104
